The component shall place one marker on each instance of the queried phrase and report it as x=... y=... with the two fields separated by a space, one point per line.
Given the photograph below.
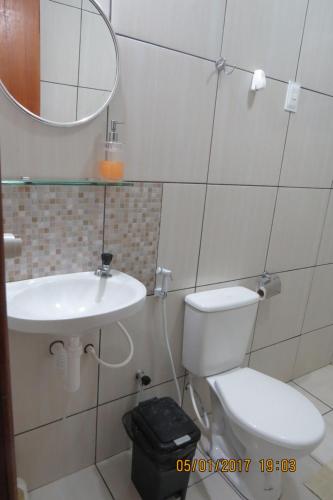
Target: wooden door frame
x=8 y=489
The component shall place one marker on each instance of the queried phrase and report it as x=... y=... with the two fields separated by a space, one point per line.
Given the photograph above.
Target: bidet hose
x=204 y=422
x=167 y=342
x=92 y=351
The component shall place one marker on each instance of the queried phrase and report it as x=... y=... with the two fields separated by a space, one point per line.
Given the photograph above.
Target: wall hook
x=221 y=65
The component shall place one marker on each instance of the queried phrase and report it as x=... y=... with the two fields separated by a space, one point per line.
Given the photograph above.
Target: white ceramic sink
x=72 y=304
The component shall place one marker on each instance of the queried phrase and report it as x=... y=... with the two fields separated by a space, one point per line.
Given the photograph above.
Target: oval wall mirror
x=59 y=59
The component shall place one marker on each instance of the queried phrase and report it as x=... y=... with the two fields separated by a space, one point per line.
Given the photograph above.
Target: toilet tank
x=217 y=329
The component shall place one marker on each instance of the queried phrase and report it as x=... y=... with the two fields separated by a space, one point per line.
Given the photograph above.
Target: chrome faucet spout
x=104 y=271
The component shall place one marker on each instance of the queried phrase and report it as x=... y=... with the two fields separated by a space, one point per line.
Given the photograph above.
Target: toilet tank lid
x=222 y=299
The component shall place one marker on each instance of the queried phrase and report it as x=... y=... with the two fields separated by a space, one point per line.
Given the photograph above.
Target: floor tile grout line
x=104 y=481
x=317 y=461
x=311 y=393
x=232 y=486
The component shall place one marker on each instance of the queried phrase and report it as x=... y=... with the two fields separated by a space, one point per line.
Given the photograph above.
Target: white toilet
x=253 y=415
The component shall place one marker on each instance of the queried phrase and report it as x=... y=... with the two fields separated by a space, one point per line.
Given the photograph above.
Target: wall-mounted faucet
x=104 y=271
x=164 y=276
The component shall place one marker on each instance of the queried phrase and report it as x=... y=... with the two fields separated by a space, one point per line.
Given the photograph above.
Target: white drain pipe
x=68 y=358
x=68 y=361
x=74 y=353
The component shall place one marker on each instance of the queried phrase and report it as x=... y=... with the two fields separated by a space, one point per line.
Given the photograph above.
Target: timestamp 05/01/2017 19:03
x=236 y=465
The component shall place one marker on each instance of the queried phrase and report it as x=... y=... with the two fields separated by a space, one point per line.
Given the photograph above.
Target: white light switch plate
x=292 y=97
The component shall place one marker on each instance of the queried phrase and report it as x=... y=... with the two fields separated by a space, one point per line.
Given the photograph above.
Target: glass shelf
x=26 y=181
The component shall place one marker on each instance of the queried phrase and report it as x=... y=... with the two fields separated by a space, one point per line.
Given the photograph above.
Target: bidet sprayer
x=165 y=276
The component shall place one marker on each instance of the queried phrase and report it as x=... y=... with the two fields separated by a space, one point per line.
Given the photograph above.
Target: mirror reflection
x=58 y=59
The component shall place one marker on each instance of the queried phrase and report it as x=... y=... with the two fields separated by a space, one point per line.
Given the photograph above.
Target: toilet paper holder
x=12 y=246
x=268 y=286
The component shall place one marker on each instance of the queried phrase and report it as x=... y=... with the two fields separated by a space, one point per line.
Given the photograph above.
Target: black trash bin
x=162 y=433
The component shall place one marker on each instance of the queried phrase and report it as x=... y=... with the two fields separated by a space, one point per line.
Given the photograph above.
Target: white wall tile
x=190 y=26
x=167 y=104
x=45 y=151
x=60 y=42
x=281 y=317
x=58 y=102
x=56 y=450
x=249 y=132
x=111 y=435
x=180 y=232
x=98 y=55
x=315 y=67
x=38 y=391
x=89 y=101
x=150 y=352
x=264 y=34
x=315 y=350
x=319 y=312
x=277 y=360
x=236 y=230
x=308 y=158
x=297 y=227
x=326 y=246
x=72 y=3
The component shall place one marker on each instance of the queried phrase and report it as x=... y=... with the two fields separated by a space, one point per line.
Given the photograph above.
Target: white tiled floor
x=319 y=383
x=88 y=484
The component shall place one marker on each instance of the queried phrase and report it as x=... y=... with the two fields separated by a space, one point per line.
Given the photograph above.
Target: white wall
x=247 y=186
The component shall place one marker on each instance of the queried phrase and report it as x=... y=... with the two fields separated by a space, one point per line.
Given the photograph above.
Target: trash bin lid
x=165 y=425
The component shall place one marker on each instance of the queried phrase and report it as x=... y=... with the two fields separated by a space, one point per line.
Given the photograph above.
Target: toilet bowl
x=257 y=417
x=259 y=426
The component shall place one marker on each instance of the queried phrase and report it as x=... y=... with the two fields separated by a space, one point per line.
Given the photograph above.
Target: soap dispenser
x=112 y=168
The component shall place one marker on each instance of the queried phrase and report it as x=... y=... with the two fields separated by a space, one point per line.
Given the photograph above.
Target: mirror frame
x=89 y=118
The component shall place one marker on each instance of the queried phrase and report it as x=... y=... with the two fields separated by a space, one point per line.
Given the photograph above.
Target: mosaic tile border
x=62 y=228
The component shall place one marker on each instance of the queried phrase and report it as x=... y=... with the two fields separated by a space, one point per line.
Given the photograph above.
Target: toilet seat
x=268 y=408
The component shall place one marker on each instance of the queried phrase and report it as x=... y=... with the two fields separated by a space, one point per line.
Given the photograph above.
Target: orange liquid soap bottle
x=112 y=168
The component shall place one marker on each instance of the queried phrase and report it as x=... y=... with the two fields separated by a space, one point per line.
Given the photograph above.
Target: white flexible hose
x=204 y=422
x=92 y=351
x=166 y=338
